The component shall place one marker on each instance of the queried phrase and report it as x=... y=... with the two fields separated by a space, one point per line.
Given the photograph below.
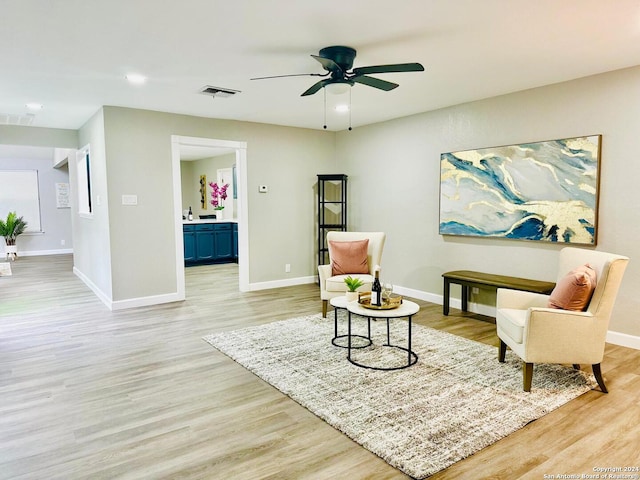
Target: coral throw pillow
x=349 y=257
x=574 y=291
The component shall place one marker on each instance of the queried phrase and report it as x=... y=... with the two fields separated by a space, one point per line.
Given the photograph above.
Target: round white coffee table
x=407 y=309
x=341 y=303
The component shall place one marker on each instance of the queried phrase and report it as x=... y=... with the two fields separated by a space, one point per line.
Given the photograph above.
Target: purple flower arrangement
x=218 y=195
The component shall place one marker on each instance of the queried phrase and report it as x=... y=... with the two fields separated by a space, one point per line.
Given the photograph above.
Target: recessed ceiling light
x=34 y=106
x=342 y=108
x=135 y=78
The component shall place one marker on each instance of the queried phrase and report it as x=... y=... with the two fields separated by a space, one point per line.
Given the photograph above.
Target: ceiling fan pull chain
x=350 y=110
x=325 y=108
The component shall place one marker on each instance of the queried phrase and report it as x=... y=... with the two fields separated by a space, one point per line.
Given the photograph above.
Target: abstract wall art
x=543 y=191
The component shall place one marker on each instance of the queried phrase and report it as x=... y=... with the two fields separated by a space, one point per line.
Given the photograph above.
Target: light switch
x=129 y=199
x=263 y=189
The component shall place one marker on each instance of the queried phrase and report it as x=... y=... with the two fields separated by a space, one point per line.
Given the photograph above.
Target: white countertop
x=209 y=220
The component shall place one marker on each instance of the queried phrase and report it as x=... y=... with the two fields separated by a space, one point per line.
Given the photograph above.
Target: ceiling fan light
x=135 y=78
x=337 y=88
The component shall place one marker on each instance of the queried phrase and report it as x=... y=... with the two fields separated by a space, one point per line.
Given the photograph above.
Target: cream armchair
x=538 y=334
x=333 y=286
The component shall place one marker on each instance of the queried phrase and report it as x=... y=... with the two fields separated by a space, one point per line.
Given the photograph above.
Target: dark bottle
x=190 y=217
x=376 y=288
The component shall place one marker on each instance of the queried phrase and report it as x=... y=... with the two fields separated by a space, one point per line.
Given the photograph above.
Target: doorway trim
x=178 y=141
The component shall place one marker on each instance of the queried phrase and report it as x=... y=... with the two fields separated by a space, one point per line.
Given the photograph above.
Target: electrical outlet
x=62 y=242
x=475 y=290
x=287 y=268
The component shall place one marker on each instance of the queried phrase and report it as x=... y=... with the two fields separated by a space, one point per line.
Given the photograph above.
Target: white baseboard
x=146 y=301
x=289 y=282
x=130 y=302
x=453 y=302
x=623 y=339
x=37 y=253
x=421 y=295
x=94 y=288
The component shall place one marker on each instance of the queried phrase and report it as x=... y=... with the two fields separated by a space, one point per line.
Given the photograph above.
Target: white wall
x=393 y=170
x=55 y=222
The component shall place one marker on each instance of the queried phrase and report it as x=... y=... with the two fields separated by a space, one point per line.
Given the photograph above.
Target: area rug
x=455 y=401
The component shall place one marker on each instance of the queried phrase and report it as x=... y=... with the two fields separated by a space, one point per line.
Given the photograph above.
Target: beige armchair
x=333 y=285
x=538 y=334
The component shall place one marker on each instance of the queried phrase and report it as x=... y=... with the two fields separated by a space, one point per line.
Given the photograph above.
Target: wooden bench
x=467 y=278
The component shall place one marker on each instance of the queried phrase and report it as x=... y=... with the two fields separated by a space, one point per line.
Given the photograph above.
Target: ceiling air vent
x=17 y=119
x=217 y=91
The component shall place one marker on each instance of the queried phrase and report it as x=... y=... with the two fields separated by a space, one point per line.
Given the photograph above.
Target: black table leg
x=465 y=297
x=336 y=338
x=445 y=299
x=412 y=357
x=388 y=336
x=409 y=352
x=349 y=337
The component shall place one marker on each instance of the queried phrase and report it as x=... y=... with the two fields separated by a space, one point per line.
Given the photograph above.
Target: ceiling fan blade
x=293 y=75
x=375 y=82
x=328 y=64
x=314 y=88
x=398 y=67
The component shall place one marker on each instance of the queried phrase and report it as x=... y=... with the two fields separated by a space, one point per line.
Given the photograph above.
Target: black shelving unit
x=332 y=210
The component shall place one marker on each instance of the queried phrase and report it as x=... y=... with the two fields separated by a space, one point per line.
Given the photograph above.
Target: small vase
x=11 y=251
x=351 y=296
x=220 y=214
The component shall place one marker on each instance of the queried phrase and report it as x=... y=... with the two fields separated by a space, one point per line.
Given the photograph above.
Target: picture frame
x=540 y=191
x=203 y=192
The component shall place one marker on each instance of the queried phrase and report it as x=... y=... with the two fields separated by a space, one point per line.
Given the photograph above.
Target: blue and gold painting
x=543 y=191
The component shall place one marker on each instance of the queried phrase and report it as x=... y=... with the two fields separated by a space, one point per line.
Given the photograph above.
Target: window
x=84 y=182
x=19 y=193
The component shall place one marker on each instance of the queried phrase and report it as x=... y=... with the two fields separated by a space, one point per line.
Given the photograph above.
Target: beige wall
x=281 y=222
x=38 y=137
x=92 y=243
x=393 y=170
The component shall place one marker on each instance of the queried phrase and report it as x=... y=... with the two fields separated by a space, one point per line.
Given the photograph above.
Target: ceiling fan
x=338 y=63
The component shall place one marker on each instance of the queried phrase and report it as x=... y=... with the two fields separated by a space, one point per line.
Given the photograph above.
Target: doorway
x=180 y=147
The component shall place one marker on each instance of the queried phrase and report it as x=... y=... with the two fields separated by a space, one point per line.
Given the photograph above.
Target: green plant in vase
x=353 y=284
x=10 y=229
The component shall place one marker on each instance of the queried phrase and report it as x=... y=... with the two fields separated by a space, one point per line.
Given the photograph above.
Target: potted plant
x=218 y=196
x=352 y=286
x=10 y=229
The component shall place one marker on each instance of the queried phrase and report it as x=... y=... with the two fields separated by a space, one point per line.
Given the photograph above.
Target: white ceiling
x=72 y=55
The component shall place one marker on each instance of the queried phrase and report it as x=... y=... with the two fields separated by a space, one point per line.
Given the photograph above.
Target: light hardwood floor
x=137 y=394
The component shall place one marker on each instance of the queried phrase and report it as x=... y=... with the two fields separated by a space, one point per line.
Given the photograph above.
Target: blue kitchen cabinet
x=205 y=242
x=235 y=241
x=210 y=243
x=223 y=241
x=189 y=232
